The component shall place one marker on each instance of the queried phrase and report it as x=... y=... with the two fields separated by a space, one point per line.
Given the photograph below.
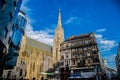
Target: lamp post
x=97 y=70
x=57 y=74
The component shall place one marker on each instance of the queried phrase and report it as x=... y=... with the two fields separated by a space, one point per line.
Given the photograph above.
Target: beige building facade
x=80 y=57
x=35 y=59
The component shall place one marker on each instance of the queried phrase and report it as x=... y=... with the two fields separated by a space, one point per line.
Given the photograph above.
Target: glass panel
x=2 y=2
x=4 y=32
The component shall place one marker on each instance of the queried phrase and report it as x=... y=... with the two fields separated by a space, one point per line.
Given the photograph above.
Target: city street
x=59 y=40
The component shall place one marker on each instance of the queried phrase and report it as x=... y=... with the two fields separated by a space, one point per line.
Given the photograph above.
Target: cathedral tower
x=58 y=39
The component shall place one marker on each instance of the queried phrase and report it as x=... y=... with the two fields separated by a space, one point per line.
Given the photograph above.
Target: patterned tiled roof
x=38 y=45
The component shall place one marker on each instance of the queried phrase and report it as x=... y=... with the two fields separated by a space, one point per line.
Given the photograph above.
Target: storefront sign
x=87 y=74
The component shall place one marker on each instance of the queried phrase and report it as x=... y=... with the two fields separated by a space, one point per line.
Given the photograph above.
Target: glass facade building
x=8 y=13
x=18 y=29
x=18 y=32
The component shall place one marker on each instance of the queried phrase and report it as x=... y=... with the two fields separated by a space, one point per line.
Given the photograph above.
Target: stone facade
x=58 y=39
x=80 y=57
x=34 y=59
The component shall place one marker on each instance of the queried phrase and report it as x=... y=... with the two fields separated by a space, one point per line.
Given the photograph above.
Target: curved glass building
x=8 y=13
x=18 y=31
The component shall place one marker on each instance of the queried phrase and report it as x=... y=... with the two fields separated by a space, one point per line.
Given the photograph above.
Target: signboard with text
x=87 y=74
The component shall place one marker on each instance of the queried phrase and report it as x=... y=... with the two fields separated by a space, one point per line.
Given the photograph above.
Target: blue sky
x=78 y=17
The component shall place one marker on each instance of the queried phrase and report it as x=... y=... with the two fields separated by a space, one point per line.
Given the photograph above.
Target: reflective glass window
x=4 y=32
x=17 y=38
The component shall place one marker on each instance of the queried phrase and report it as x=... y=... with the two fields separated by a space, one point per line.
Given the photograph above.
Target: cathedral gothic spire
x=59 y=19
x=58 y=39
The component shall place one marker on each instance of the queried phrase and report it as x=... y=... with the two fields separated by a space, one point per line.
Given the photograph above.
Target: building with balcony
x=118 y=60
x=34 y=60
x=80 y=58
x=8 y=13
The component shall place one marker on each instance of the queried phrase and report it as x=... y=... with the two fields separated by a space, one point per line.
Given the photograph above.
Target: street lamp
x=96 y=71
x=57 y=73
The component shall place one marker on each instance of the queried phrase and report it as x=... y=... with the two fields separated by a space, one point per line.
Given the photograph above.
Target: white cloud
x=24 y=7
x=71 y=19
x=101 y=30
x=39 y=35
x=110 y=60
x=105 y=44
x=44 y=36
x=98 y=36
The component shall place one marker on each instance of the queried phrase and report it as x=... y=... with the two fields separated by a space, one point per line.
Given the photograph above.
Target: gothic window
x=62 y=57
x=9 y=72
x=56 y=53
x=33 y=66
x=49 y=61
x=21 y=72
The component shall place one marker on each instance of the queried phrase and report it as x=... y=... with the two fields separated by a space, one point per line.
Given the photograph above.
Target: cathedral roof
x=38 y=45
